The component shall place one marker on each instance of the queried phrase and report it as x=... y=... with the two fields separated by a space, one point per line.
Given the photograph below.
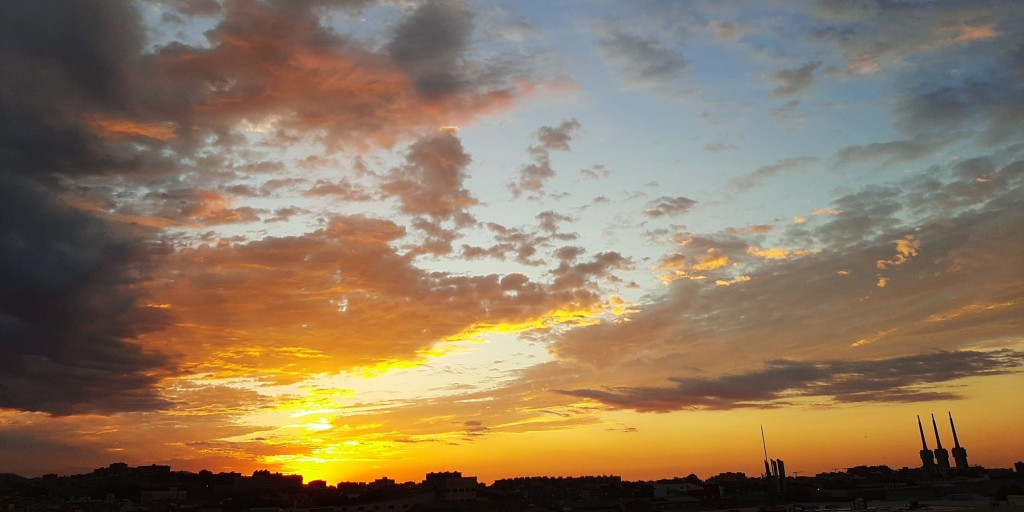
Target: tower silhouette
x=941 y=455
x=927 y=458
x=959 y=453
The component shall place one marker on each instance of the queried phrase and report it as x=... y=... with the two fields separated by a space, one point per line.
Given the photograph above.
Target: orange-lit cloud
x=906 y=248
x=279 y=70
x=971 y=33
x=279 y=293
x=128 y=128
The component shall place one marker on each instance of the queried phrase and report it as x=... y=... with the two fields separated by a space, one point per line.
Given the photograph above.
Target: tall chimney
x=941 y=455
x=927 y=458
x=959 y=453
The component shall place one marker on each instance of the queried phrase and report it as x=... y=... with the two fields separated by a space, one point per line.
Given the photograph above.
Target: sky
x=357 y=239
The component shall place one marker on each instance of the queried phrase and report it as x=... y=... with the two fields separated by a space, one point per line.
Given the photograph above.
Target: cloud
x=786 y=111
x=906 y=248
x=643 y=61
x=872 y=36
x=348 y=293
x=748 y=181
x=977 y=104
x=191 y=206
x=342 y=189
x=71 y=310
x=276 y=69
x=522 y=244
x=728 y=30
x=432 y=180
x=571 y=276
x=597 y=172
x=756 y=229
x=719 y=147
x=429 y=46
x=185 y=439
x=81 y=65
x=892 y=152
x=549 y=220
x=162 y=136
x=972 y=33
x=194 y=7
x=555 y=138
x=958 y=270
x=789 y=82
x=785 y=382
x=274 y=113
x=955 y=67
x=534 y=176
x=669 y=206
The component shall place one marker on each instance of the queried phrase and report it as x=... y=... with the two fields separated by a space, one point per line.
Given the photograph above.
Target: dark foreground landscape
x=120 y=488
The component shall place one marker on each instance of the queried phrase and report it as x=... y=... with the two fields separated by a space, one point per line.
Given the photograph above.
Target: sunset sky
x=357 y=239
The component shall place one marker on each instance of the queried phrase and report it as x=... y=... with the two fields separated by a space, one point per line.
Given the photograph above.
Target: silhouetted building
x=451 y=486
x=265 y=480
x=114 y=469
x=152 y=470
x=959 y=453
x=927 y=457
x=382 y=484
x=941 y=455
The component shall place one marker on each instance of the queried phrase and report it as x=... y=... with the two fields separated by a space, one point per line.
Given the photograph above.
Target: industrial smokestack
x=959 y=453
x=941 y=455
x=927 y=457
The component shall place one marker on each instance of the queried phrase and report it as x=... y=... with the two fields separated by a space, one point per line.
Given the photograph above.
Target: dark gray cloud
x=644 y=61
x=69 y=310
x=978 y=104
x=64 y=62
x=794 y=80
x=780 y=382
x=429 y=45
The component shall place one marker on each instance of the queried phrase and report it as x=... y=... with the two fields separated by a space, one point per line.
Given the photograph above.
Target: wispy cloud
x=784 y=382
